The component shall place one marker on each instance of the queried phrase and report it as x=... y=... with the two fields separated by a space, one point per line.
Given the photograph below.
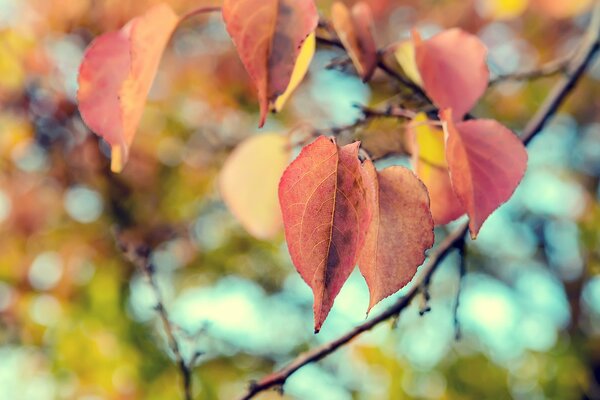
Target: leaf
x=325 y=216
x=300 y=69
x=487 y=162
x=116 y=74
x=355 y=30
x=429 y=161
x=404 y=52
x=249 y=179
x=502 y=9
x=400 y=232
x=268 y=35
x=453 y=69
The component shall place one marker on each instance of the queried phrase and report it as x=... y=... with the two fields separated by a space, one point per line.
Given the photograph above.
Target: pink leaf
x=453 y=69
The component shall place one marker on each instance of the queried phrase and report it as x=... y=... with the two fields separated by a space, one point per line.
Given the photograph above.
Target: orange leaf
x=453 y=69
x=116 y=74
x=249 y=179
x=487 y=162
x=401 y=230
x=355 y=30
x=429 y=161
x=325 y=216
x=268 y=35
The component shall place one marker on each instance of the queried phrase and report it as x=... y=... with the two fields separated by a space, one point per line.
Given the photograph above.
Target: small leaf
x=429 y=161
x=404 y=52
x=268 y=35
x=249 y=179
x=487 y=162
x=502 y=9
x=300 y=69
x=116 y=74
x=355 y=30
x=400 y=232
x=453 y=69
x=325 y=216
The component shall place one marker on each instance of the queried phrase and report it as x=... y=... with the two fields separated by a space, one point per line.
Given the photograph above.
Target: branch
x=140 y=257
x=588 y=48
x=551 y=68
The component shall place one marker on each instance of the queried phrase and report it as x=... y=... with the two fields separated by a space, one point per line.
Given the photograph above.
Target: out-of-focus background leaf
x=77 y=321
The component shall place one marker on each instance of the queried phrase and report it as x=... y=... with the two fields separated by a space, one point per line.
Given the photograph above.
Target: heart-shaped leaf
x=400 y=232
x=116 y=74
x=453 y=69
x=325 y=216
x=268 y=35
x=249 y=180
x=355 y=30
x=486 y=161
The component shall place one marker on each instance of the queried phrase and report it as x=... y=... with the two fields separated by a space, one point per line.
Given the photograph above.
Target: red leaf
x=116 y=74
x=268 y=35
x=355 y=30
x=401 y=230
x=486 y=161
x=453 y=69
x=325 y=216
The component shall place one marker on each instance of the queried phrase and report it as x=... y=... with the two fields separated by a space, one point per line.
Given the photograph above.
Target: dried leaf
x=400 y=232
x=325 y=216
x=487 y=162
x=116 y=74
x=249 y=179
x=453 y=69
x=268 y=35
x=355 y=30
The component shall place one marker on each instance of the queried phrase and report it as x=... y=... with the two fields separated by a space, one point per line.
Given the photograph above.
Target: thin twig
x=140 y=257
x=588 y=48
x=462 y=270
x=551 y=68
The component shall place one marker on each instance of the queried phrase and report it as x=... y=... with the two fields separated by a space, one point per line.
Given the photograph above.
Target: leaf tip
x=118 y=157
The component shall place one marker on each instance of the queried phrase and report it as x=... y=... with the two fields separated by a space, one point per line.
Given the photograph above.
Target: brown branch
x=140 y=257
x=551 y=68
x=587 y=50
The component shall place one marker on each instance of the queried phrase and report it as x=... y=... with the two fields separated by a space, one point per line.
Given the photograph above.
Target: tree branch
x=140 y=257
x=587 y=49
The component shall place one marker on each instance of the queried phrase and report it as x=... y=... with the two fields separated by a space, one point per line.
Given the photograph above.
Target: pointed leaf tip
x=325 y=216
x=116 y=74
x=400 y=232
x=486 y=161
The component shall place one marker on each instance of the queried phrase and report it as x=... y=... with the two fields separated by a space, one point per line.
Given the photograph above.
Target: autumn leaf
x=429 y=161
x=400 y=232
x=325 y=216
x=453 y=69
x=116 y=74
x=249 y=179
x=355 y=30
x=562 y=9
x=404 y=52
x=268 y=35
x=486 y=161
x=300 y=69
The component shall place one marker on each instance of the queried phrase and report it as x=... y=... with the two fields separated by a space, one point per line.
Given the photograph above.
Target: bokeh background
x=77 y=321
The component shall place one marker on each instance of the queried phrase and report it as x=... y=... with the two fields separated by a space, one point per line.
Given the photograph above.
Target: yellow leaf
x=405 y=55
x=502 y=9
x=300 y=69
x=429 y=142
x=249 y=182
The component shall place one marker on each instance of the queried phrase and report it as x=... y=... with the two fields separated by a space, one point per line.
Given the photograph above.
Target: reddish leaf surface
x=249 y=180
x=116 y=74
x=325 y=216
x=429 y=160
x=268 y=35
x=355 y=30
x=487 y=162
x=401 y=230
x=453 y=69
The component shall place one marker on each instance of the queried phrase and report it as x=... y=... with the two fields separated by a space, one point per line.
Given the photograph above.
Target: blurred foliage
x=77 y=321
